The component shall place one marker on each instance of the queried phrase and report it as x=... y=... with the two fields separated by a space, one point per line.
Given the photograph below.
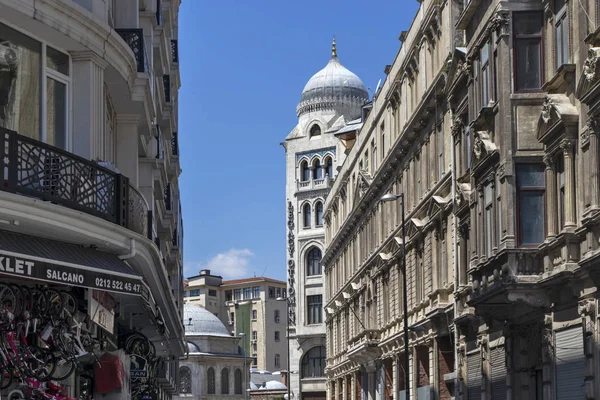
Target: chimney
x=205 y=272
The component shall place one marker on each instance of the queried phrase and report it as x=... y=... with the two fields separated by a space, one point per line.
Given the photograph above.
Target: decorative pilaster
x=587 y=310
x=550 y=198
x=127 y=144
x=567 y=148
x=88 y=105
x=593 y=128
x=394 y=378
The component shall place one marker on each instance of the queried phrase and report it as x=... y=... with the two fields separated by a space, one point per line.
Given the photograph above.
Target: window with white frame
x=34 y=88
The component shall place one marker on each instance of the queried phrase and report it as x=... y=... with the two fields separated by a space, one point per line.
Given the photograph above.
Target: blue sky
x=243 y=67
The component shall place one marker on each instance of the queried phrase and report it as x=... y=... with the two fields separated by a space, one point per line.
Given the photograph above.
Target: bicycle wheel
x=16 y=394
x=8 y=300
x=6 y=379
x=138 y=344
x=55 y=304
x=64 y=369
x=41 y=363
x=39 y=303
x=19 y=301
x=69 y=302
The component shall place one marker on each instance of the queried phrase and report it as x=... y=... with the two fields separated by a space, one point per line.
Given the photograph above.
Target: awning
x=45 y=260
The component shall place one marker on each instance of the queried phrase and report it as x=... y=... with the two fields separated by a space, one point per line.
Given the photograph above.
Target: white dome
x=202 y=323
x=331 y=87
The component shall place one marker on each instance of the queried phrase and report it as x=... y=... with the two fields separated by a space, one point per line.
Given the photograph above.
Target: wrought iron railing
x=174 y=51
x=175 y=144
x=38 y=170
x=135 y=40
x=168 y=198
x=175 y=237
x=160 y=148
x=158 y=13
x=167 y=87
x=137 y=216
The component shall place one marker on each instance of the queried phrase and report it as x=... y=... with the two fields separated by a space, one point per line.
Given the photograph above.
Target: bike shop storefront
x=67 y=325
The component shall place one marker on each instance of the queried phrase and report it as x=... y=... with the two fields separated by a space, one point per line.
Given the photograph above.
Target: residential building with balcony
x=253 y=308
x=90 y=161
x=329 y=111
x=487 y=126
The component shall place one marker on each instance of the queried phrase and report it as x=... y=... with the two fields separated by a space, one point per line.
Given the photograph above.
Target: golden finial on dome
x=333 y=48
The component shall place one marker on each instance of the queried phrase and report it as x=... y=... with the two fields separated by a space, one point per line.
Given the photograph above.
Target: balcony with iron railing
x=174 y=51
x=35 y=169
x=135 y=40
x=174 y=145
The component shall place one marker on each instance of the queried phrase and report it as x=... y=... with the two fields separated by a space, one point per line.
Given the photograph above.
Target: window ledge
x=565 y=75
x=467 y=14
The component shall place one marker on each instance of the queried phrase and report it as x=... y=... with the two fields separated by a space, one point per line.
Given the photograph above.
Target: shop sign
x=22 y=267
x=101 y=306
x=139 y=367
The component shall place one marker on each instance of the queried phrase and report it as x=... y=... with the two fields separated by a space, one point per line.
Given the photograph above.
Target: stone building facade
x=330 y=105
x=487 y=125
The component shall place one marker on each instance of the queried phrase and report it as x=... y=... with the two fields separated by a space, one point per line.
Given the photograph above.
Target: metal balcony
x=35 y=169
x=167 y=87
x=174 y=51
x=135 y=40
x=175 y=145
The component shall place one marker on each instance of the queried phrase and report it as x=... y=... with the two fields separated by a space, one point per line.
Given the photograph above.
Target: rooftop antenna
x=255 y=273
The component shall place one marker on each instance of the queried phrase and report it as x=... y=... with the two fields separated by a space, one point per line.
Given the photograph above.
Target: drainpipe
x=132 y=251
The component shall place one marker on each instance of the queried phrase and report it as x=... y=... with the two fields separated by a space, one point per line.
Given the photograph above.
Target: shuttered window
x=474 y=376
x=498 y=367
x=570 y=366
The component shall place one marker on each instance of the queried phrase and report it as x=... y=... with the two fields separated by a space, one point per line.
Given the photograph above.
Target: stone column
x=353 y=386
x=88 y=105
x=395 y=378
x=344 y=388
x=463 y=261
x=570 y=217
x=550 y=197
x=473 y=235
x=593 y=130
x=127 y=137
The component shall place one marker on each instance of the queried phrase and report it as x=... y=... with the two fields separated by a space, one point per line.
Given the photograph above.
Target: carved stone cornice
x=500 y=23
x=567 y=146
x=549 y=161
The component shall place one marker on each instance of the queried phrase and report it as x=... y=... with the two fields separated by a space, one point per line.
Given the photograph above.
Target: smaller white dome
x=198 y=321
x=275 y=385
x=192 y=348
x=253 y=386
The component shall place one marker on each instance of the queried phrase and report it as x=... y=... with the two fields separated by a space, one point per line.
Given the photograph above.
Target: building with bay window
x=487 y=125
x=90 y=161
x=330 y=107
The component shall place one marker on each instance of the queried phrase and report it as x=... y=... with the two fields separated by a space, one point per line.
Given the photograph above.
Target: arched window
x=315 y=130
x=210 y=377
x=185 y=380
x=317 y=170
x=224 y=381
x=313 y=363
x=329 y=167
x=313 y=265
x=305 y=171
x=306 y=215
x=239 y=385
x=319 y=214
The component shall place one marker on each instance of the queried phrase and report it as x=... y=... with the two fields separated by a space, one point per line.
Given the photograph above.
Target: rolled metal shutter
x=570 y=364
x=498 y=367
x=474 y=376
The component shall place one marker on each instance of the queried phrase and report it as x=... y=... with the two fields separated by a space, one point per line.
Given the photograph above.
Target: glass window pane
x=528 y=64
x=20 y=71
x=531 y=175
x=485 y=53
x=56 y=113
x=528 y=23
x=57 y=61
x=532 y=217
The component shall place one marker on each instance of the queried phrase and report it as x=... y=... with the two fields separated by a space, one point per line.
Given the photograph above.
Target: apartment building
x=487 y=127
x=90 y=196
x=253 y=308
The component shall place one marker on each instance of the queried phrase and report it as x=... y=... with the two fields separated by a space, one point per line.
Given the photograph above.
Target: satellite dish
x=378 y=86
